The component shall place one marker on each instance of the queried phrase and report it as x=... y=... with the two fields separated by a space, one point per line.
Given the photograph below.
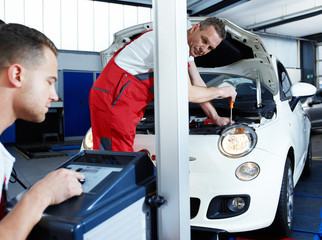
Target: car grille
x=221 y=206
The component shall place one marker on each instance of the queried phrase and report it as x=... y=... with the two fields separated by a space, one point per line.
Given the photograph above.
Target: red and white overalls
x=6 y=163
x=117 y=103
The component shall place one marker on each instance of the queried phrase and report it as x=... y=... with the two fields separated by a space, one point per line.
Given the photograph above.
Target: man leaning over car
x=119 y=96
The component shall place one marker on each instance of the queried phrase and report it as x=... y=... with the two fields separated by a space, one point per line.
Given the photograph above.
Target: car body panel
x=212 y=174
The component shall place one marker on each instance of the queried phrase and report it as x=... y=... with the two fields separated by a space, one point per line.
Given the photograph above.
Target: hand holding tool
x=231 y=106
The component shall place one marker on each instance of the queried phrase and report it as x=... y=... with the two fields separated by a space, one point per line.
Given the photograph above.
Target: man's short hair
x=217 y=23
x=21 y=44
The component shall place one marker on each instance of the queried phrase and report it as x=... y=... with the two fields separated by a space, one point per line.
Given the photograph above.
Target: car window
x=245 y=88
x=317 y=97
x=285 y=83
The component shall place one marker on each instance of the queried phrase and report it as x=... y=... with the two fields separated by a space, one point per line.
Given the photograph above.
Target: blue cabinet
x=76 y=89
x=77 y=86
x=77 y=121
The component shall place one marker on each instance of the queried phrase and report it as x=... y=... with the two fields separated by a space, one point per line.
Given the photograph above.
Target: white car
x=242 y=176
x=313 y=107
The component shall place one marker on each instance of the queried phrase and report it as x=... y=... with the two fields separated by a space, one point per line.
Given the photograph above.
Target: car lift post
x=171 y=112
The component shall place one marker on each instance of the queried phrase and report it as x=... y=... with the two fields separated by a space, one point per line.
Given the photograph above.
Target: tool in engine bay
x=231 y=106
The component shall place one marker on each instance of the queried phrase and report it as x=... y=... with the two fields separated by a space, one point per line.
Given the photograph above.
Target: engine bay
x=245 y=112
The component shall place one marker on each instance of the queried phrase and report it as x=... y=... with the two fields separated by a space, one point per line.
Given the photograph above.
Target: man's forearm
x=209 y=110
x=198 y=94
x=18 y=223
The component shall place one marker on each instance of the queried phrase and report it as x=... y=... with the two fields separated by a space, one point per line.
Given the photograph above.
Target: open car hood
x=241 y=53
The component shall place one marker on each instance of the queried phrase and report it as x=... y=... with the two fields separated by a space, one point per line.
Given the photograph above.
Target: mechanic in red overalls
x=119 y=96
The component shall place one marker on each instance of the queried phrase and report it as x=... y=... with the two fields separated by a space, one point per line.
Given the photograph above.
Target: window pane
x=2 y=10
x=144 y=15
x=320 y=52
x=85 y=25
x=69 y=25
x=116 y=19
x=14 y=12
x=74 y=24
x=101 y=26
x=33 y=14
x=320 y=80
x=130 y=16
x=52 y=21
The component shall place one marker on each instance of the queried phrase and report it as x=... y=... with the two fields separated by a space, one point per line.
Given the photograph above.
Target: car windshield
x=245 y=88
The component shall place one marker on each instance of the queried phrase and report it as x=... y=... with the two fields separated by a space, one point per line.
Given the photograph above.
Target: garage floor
x=308 y=192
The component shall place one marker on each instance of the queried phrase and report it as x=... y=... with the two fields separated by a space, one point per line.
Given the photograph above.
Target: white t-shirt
x=6 y=163
x=137 y=57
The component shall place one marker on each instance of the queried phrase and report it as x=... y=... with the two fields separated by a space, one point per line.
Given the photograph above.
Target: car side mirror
x=302 y=89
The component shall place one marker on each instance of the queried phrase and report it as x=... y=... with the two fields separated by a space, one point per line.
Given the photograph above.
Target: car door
x=297 y=118
x=314 y=110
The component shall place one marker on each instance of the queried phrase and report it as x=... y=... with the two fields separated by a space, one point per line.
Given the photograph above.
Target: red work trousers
x=117 y=103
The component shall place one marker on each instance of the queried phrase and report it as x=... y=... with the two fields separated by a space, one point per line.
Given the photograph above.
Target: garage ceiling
x=296 y=18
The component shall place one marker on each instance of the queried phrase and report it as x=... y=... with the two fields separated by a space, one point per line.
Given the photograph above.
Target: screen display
x=94 y=174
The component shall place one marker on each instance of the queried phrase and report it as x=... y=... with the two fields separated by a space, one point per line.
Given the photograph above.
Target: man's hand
x=58 y=186
x=221 y=121
x=228 y=92
x=55 y=188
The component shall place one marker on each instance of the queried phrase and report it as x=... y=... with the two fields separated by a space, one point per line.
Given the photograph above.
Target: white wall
x=294 y=74
x=74 y=24
x=285 y=49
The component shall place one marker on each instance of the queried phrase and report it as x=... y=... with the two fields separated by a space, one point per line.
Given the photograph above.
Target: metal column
x=171 y=111
x=318 y=66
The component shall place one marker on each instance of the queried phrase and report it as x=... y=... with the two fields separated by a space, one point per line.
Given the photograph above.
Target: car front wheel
x=283 y=222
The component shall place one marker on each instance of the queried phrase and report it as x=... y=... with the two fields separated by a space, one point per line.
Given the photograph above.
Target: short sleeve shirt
x=137 y=57
x=6 y=163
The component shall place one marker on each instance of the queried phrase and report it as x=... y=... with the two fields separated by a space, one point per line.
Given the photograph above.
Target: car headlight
x=88 y=140
x=247 y=171
x=237 y=141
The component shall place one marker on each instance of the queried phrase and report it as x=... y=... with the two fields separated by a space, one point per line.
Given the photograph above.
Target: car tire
x=283 y=222
x=308 y=161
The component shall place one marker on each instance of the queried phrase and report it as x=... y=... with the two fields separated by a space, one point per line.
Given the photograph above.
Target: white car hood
x=259 y=67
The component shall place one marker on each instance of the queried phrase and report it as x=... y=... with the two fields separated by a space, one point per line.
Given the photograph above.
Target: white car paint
x=213 y=174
